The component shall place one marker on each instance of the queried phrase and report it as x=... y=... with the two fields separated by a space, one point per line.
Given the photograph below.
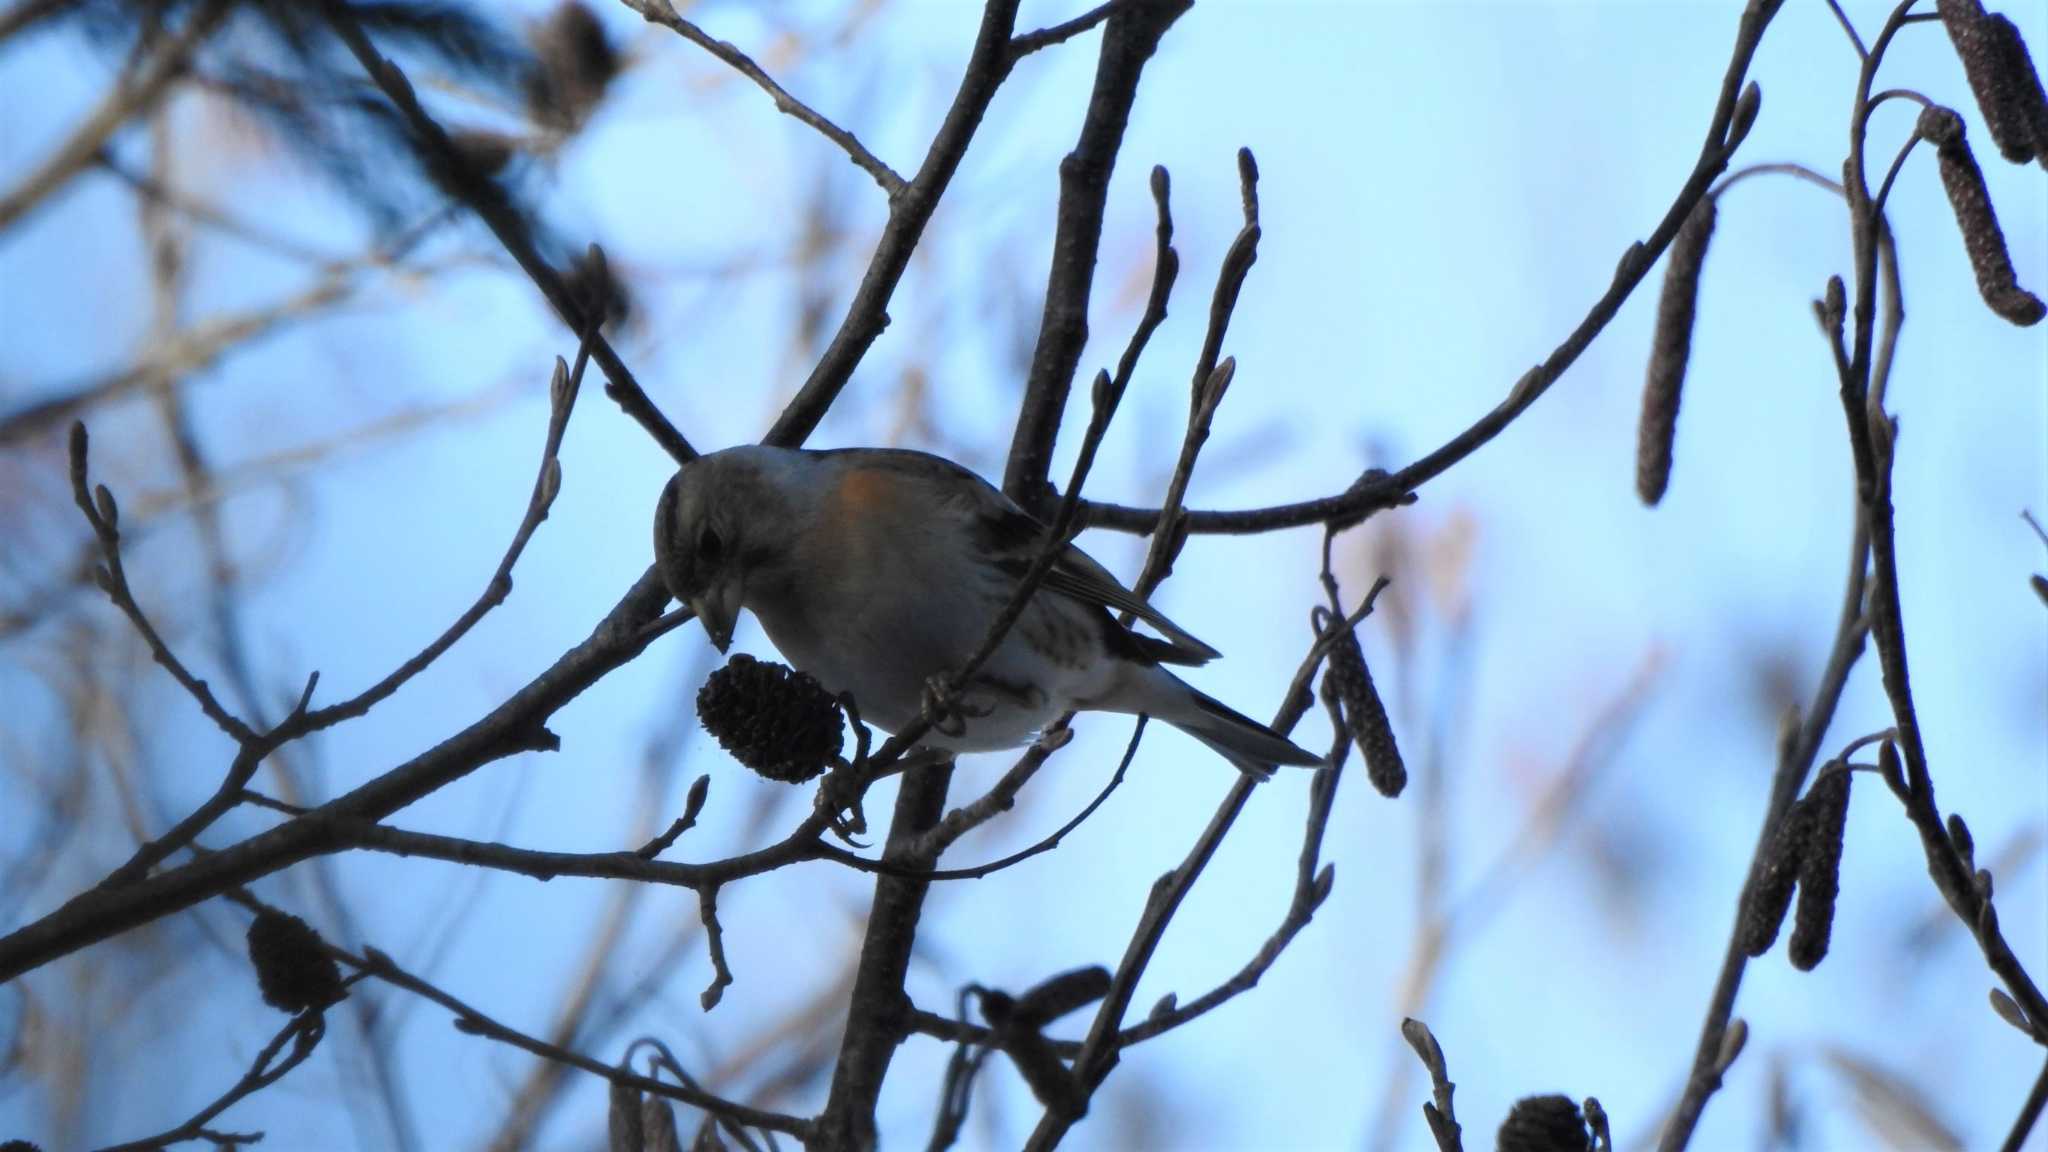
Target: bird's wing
x=1076 y=574
x=1012 y=538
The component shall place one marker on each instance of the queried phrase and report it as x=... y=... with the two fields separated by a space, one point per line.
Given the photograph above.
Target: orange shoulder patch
x=864 y=493
x=861 y=513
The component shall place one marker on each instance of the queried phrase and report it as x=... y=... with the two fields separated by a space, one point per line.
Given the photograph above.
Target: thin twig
x=103 y=515
x=149 y=188
x=379 y=966
x=1027 y=43
x=1374 y=493
x=1789 y=776
x=2030 y=1112
x=1099 y=1052
x=1863 y=381
x=662 y=12
x=988 y=65
x=1849 y=29
x=516 y=725
x=997 y=799
x=303 y=1033
x=1872 y=432
x=876 y=1007
x=563 y=388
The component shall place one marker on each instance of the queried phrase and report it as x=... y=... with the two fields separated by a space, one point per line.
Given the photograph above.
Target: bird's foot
x=946 y=715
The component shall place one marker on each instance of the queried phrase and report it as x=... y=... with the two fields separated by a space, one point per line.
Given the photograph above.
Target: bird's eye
x=709 y=545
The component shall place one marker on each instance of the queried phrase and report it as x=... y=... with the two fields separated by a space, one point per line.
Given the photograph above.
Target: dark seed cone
x=292 y=965
x=1670 y=349
x=1820 y=870
x=1349 y=682
x=2002 y=78
x=779 y=722
x=1544 y=1124
x=1982 y=237
x=1764 y=911
x=575 y=63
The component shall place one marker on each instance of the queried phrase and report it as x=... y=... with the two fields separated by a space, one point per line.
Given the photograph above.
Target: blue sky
x=1445 y=189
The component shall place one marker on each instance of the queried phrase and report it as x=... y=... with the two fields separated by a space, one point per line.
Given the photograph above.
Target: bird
x=878 y=571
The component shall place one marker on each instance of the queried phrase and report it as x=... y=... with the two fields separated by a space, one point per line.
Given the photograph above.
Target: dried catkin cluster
x=2002 y=78
x=779 y=722
x=1807 y=852
x=1670 y=349
x=1348 y=684
x=1971 y=202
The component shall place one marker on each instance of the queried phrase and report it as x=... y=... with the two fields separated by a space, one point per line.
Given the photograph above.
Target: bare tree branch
x=506 y=224
x=988 y=65
x=1129 y=37
x=662 y=12
x=303 y=1033
x=1376 y=492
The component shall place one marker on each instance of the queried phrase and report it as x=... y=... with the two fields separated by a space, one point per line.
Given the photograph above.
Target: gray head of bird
x=710 y=519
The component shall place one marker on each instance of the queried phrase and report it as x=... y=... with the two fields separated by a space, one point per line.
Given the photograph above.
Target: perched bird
x=877 y=571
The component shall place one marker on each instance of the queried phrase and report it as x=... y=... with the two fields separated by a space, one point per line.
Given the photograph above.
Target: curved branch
x=664 y=13
x=1375 y=493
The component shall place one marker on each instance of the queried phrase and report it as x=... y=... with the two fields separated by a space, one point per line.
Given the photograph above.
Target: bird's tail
x=1238 y=738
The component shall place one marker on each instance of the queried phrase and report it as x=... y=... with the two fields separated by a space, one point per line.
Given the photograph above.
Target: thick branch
x=878 y=1014
x=1130 y=36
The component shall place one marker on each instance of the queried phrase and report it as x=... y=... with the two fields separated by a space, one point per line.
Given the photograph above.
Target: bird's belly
x=885 y=660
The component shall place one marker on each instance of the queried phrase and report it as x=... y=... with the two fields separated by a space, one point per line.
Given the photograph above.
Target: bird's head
x=700 y=532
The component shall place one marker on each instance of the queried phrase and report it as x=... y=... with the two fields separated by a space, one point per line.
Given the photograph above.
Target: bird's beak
x=717 y=608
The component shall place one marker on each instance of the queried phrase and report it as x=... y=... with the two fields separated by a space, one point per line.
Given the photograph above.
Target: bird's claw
x=945 y=709
x=839 y=801
x=947 y=719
